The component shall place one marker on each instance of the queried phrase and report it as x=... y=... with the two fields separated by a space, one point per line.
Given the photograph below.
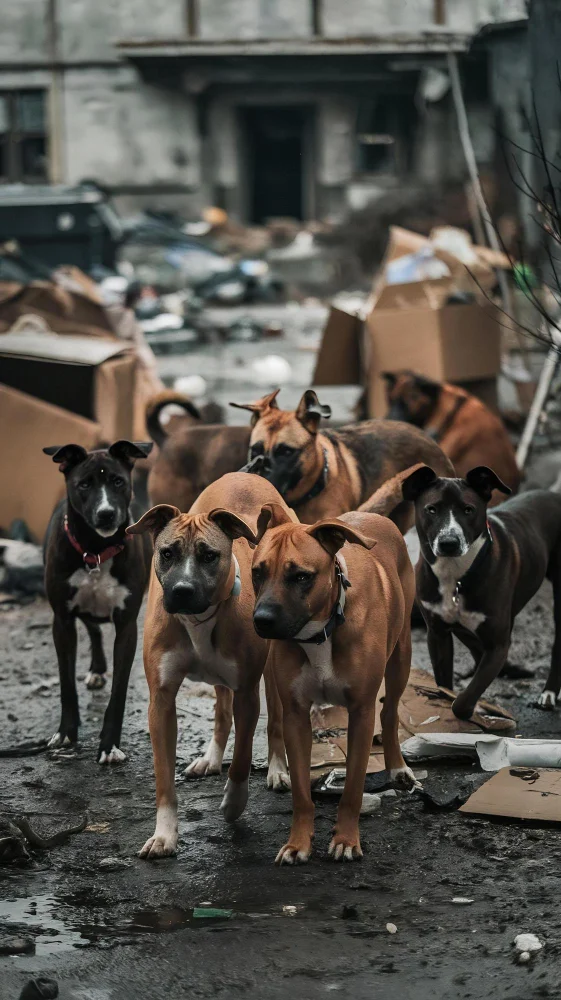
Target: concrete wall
x=251 y=19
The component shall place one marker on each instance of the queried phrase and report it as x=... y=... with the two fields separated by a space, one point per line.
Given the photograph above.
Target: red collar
x=91 y=559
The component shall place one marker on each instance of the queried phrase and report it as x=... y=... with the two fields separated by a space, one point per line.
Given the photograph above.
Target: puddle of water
x=40 y=913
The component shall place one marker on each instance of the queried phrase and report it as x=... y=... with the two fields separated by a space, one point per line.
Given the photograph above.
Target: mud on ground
x=126 y=929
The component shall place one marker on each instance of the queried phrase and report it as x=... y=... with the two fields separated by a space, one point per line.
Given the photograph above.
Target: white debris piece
x=271 y=370
x=462 y=901
x=370 y=804
x=527 y=945
x=391 y=928
x=494 y=752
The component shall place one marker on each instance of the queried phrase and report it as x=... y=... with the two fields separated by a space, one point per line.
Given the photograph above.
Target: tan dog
x=468 y=432
x=201 y=597
x=334 y=645
x=325 y=474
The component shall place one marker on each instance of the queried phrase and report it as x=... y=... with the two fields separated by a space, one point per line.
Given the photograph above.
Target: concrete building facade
x=264 y=107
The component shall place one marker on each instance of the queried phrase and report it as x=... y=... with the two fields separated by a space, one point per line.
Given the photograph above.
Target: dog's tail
x=389 y=496
x=158 y=403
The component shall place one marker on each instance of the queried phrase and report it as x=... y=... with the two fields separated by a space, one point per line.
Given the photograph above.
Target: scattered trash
x=271 y=370
x=506 y=795
x=430 y=720
x=98 y=828
x=211 y=912
x=12 y=945
x=494 y=752
x=370 y=804
x=527 y=945
x=244 y=330
x=21 y=567
x=114 y=864
x=462 y=901
x=391 y=928
x=291 y=911
x=438 y=800
x=192 y=386
x=41 y=988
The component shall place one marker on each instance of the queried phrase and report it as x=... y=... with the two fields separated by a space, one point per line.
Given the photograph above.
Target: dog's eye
x=302 y=577
x=468 y=509
x=166 y=554
x=210 y=557
x=430 y=509
x=257 y=449
x=118 y=481
x=84 y=485
x=284 y=450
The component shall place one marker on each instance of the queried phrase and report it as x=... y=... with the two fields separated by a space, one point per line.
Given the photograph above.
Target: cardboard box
x=338 y=361
x=31 y=483
x=414 y=325
x=90 y=377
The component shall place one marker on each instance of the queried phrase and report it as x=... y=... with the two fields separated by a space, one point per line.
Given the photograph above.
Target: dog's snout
x=105 y=517
x=266 y=619
x=182 y=598
x=449 y=545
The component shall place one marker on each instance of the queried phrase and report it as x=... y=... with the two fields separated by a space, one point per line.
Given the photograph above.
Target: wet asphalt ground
x=124 y=929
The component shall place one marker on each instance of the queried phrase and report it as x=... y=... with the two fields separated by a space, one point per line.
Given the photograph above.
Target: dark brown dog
x=336 y=645
x=468 y=432
x=324 y=474
x=192 y=455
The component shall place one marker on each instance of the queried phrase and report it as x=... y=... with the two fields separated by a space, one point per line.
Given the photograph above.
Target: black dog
x=95 y=572
x=477 y=571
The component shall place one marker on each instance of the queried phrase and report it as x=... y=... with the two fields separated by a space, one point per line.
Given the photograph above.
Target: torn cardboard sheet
x=424 y=708
x=493 y=752
x=506 y=795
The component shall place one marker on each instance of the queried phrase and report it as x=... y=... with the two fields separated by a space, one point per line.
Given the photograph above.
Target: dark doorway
x=276 y=145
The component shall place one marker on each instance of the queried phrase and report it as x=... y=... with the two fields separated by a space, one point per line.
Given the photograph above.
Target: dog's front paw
x=547 y=700
x=277 y=775
x=235 y=799
x=112 y=756
x=209 y=763
x=403 y=777
x=59 y=740
x=345 y=847
x=94 y=681
x=294 y=853
x=159 y=847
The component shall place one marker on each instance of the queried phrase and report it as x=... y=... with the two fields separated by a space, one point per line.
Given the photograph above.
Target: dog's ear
x=390 y=378
x=417 y=482
x=484 y=481
x=257 y=409
x=232 y=525
x=154 y=520
x=66 y=456
x=129 y=451
x=272 y=516
x=332 y=535
x=310 y=411
x=427 y=385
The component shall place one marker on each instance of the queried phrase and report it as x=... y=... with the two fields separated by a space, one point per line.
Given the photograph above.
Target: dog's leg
x=548 y=697
x=490 y=666
x=96 y=675
x=123 y=656
x=345 y=843
x=441 y=652
x=277 y=776
x=162 y=722
x=246 y=714
x=396 y=677
x=298 y=738
x=211 y=761
x=64 y=636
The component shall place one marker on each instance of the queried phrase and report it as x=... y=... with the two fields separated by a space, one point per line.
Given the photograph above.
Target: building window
x=385 y=133
x=23 y=139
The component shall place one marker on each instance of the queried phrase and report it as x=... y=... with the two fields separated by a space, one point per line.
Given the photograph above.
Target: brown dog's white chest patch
x=97 y=594
x=317 y=682
x=213 y=667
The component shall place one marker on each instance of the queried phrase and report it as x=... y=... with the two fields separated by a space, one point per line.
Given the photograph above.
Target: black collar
x=337 y=616
x=438 y=433
x=319 y=485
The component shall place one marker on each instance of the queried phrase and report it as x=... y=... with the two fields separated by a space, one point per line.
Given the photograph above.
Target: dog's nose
x=265 y=620
x=449 y=545
x=182 y=596
x=105 y=517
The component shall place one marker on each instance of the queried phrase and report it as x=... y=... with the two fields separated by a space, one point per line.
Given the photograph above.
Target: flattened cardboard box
x=505 y=794
x=90 y=377
x=31 y=484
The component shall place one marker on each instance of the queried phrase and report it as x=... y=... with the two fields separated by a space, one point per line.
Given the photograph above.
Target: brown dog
x=468 y=432
x=333 y=644
x=325 y=474
x=192 y=456
x=201 y=598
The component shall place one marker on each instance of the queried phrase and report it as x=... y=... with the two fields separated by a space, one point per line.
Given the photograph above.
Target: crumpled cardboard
x=421 y=325
x=507 y=794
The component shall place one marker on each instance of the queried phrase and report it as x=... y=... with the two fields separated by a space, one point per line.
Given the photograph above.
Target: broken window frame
x=15 y=133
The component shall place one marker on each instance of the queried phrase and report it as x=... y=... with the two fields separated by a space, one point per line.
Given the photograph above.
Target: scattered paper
x=506 y=795
x=493 y=752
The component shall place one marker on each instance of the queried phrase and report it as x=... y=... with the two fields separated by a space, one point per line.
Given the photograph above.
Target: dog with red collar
x=96 y=573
